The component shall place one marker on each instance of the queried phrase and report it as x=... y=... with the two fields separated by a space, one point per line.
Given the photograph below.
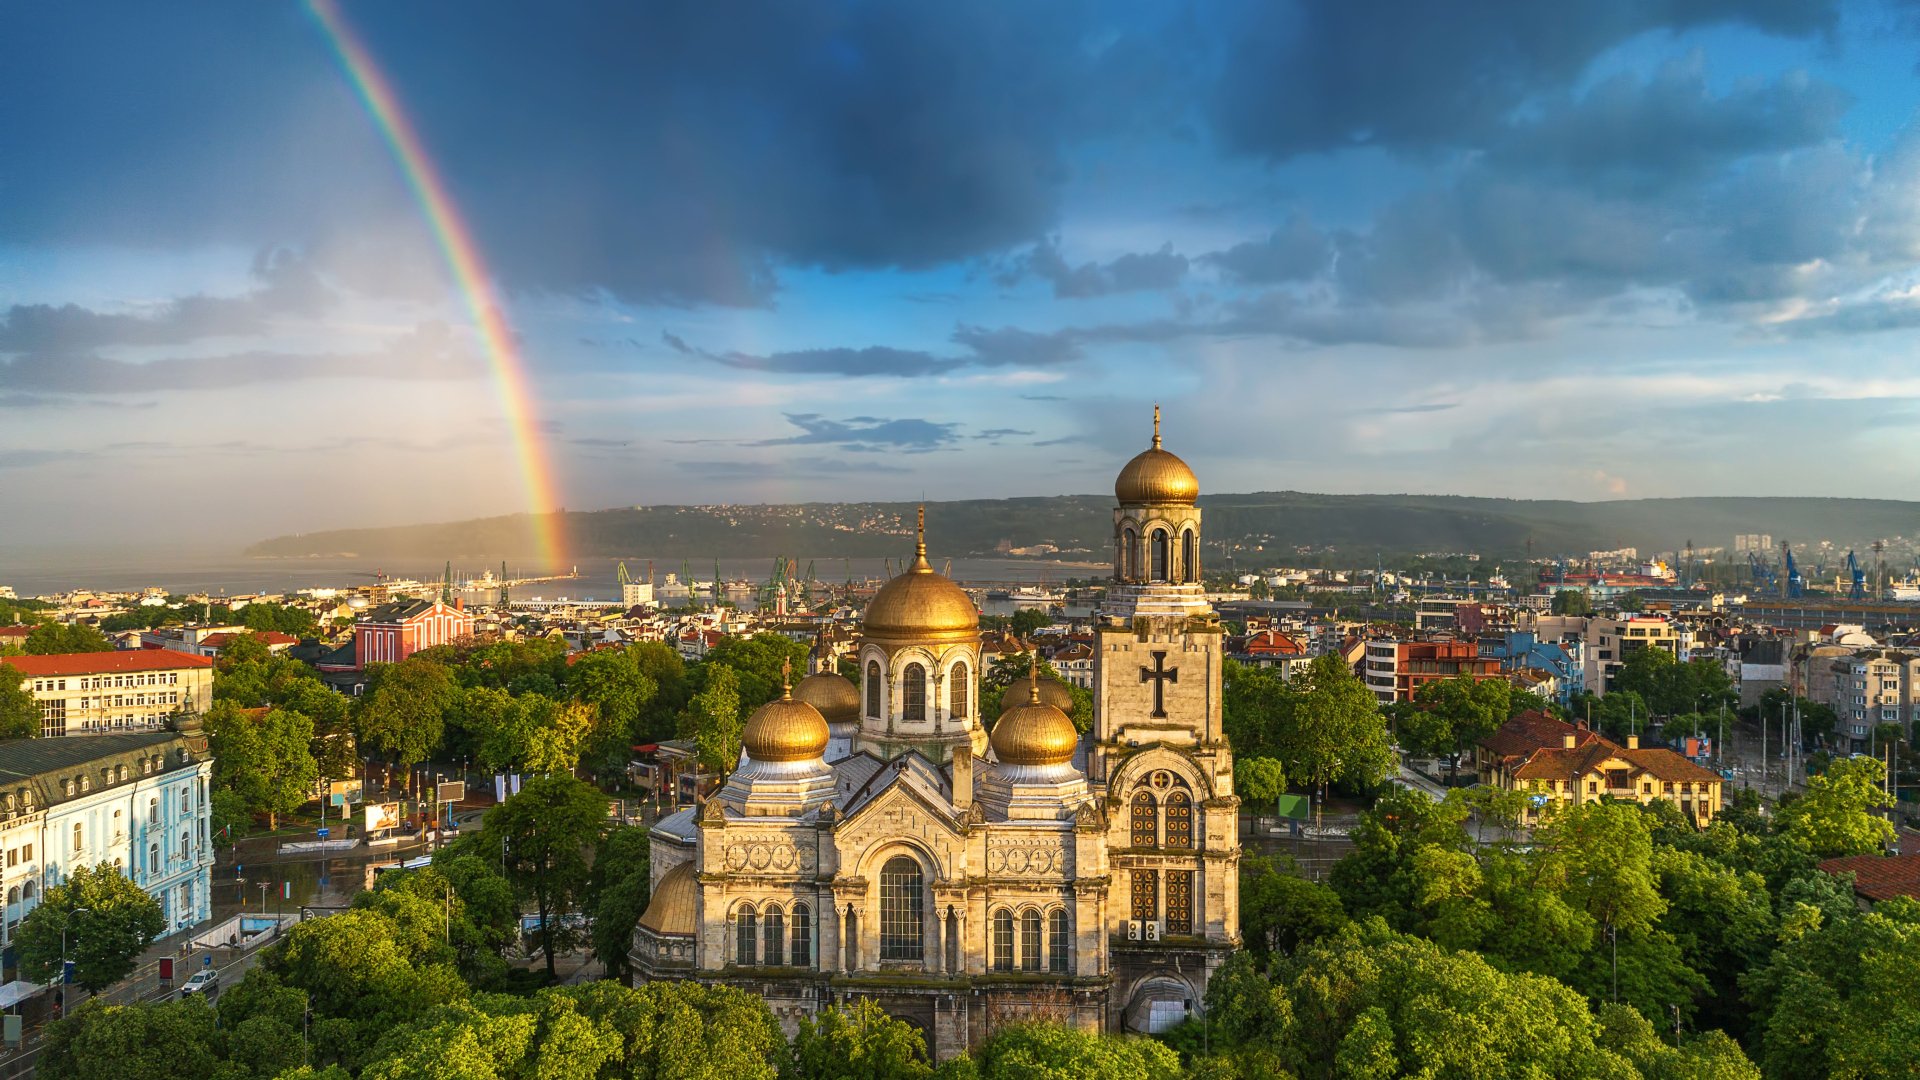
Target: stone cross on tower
x=1159 y=675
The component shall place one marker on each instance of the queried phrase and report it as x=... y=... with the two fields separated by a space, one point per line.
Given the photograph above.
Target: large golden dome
x=1156 y=475
x=1034 y=733
x=920 y=604
x=831 y=693
x=785 y=730
x=671 y=908
x=1052 y=692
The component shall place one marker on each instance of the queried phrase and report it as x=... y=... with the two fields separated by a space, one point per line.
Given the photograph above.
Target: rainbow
x=456 y=242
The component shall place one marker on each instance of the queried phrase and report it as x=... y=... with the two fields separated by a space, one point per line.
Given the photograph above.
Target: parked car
x=204 y=981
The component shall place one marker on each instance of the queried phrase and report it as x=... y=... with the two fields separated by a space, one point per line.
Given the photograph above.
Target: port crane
x=1857 y=576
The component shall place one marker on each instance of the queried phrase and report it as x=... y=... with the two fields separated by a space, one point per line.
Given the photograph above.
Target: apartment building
x=1396 y=670
x=100 y=693
x=134 y=800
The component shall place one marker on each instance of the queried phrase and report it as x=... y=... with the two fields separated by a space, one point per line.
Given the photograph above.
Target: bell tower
x=1159 y=758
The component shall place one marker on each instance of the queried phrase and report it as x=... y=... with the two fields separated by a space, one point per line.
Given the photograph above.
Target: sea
x=40 y=571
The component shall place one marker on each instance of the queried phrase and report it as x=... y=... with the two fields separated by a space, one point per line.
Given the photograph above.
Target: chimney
x=1633 y=742
x=963 y=777
x=1568 y=740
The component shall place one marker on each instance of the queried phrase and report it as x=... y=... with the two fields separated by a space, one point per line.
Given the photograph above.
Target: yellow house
x=1557 y=762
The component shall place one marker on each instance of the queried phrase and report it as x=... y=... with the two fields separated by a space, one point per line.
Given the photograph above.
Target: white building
x=130 y=690
x=136 y=801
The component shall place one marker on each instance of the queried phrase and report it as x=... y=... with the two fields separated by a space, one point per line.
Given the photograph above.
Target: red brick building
x=1396 y=670
x=392 y=632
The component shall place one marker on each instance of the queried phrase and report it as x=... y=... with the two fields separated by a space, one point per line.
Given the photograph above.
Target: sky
x=753 y=252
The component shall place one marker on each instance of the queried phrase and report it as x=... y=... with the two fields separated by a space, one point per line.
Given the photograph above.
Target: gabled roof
x=919 y=777
x=105 y=663
x=1880 y=877
x=1535 y=730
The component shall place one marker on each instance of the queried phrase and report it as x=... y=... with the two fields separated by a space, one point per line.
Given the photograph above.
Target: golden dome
x=785 y=730
x=1034 y=733
x=831 y=693
x=1052 y=692
x=1156 y=475
x=670 y=909
x=920 y=604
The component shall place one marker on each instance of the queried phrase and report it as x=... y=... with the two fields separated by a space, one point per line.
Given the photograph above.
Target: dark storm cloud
x=427 y=353
x=661 y=152
x=1293 y=252
x=1303 y=76
x=288 y=286
x=1642 y=134
x=912 y=435
x=1133 y=272
x=1005 y=347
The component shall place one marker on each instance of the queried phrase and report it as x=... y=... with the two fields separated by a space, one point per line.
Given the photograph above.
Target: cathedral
x=886 y=841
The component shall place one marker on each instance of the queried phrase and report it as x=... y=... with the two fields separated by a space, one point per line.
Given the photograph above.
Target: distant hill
x=1277 y=522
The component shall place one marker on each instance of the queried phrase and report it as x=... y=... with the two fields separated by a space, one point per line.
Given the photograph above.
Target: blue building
x=1563 y=662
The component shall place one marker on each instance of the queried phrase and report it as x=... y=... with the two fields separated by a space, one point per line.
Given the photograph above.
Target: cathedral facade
x=885 y=841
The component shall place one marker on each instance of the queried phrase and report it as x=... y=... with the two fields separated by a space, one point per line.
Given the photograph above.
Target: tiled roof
x=1534 y=730
x=105 y=663
x=1879 y=877
x=264 y=637
x=45 y=764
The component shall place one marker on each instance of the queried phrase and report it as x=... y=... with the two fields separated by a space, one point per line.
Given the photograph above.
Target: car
x=205 y=981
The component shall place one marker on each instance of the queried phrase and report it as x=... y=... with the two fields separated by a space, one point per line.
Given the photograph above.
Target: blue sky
x=1591 y=249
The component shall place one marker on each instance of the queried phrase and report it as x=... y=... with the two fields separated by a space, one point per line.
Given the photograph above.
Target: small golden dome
x=920 y=604
x=1052 y=692
x=670 y=909
x=785 y=730
x=831 y=693
x=1156 y=475
x=1034 y=733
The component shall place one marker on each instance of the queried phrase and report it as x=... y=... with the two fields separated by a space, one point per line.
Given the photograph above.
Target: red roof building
x=1879 y=877
x=1557 y=762
x=1396 y=670
x=105 y=692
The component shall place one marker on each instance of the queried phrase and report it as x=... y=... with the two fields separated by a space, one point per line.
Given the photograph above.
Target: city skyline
x=878 y=253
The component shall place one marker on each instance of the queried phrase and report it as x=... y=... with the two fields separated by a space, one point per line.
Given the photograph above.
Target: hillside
x=1273 y=521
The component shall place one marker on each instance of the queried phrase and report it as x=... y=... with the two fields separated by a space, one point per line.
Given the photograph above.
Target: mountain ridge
x=1272 y=521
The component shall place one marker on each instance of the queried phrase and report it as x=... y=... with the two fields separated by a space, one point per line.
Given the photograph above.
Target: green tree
x=1837 y=998
x=160 y=1041
x=19 y=710
x=1722 y=920
x=714 y=719
x=1571 y=602
x=1835 y=815
x=50 y=638
x=547 y=833
x=757 y=663
x=685 y=1031
x=404 y=717
x=859 y=1041
x=1260 y=781
x=1330 y=730
x=1451 y=715
x=1279 y=910
x=611 y=681
x=1038 y=1051
x=469 y=906
x=119 y=921
x=616 y=895
x=265 y=756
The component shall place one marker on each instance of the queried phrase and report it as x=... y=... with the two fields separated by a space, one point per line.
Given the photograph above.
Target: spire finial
x=1156 y=425
x=786 y=679
x=920 y=534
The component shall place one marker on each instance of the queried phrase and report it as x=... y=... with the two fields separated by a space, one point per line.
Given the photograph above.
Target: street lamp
x=63 y=954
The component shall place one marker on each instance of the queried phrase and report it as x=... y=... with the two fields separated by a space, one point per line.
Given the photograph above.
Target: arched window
x=29 y=891
x=153 y=856
x=1003 y=940
x=1146 y=895
x=773 y=932
x=874 y=688
x=1128 y=560
x=1160 y=555
x=1057 y=941
x=1179 y=901
x=957 y=691
x=1146 y=832
x=79 y=836
x=13 y=896
x=1030 y=940
x=800 y=922
x=746 y=936
x=913 y=693
x=1179 y=820
x=900 y=910
x=1189 y=557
